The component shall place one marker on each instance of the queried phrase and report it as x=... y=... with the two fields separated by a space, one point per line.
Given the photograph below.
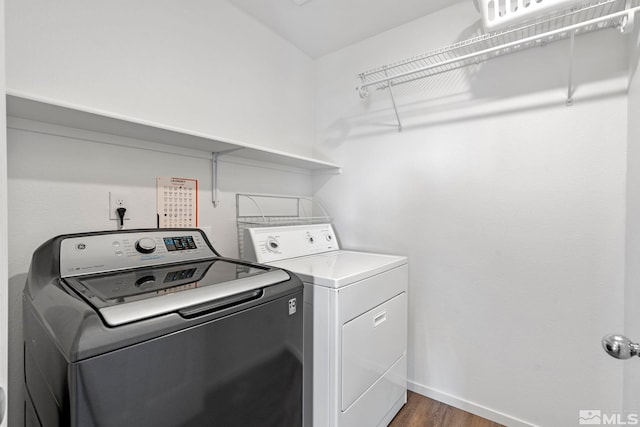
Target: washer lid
x=128 y=296
x=339 y=268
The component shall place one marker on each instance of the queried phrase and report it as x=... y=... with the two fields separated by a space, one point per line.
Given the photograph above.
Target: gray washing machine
x=154 y=328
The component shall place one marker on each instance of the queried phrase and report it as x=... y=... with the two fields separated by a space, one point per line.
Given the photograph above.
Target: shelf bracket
x=572 y=44
x=363 y=91
x=393 y=101
x=570 y=86
x=214 y=174
x=626 y=25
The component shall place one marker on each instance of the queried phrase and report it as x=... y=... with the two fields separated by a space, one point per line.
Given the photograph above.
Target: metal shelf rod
x=530 y=39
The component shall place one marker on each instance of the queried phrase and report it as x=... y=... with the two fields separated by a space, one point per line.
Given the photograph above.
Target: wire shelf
x=498 y=14
x=581 y=19
x=283 y=210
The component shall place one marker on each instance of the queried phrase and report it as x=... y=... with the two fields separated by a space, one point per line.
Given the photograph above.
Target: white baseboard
x=465 y=405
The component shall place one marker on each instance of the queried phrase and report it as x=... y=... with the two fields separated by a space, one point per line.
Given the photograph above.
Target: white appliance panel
x=339 y=268
x=371 y=344
x=381 y=402
x=277 y=243
x=360 y=297
x=332 y=309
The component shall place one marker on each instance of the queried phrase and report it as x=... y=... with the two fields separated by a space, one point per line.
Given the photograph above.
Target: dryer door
x=371 y=344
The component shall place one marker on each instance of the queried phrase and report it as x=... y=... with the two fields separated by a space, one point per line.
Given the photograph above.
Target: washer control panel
x=277 y=243
x=118 y=251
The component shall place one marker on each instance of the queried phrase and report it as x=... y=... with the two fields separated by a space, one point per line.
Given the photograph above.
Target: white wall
x=200 y=65
x=509 y=204
x=195 y=64
x=3 y=229
x=632 y=278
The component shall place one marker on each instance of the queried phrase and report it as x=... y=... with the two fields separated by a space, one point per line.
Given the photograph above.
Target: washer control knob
x=328 y=237
x=146 y=282
x=146 y=245
x=311 y=240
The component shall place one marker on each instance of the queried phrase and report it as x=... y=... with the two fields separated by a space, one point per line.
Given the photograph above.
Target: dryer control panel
x=98 y=253
x=278 y=243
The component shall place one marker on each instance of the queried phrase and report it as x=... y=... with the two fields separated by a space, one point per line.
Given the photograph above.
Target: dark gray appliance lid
x=132 y=295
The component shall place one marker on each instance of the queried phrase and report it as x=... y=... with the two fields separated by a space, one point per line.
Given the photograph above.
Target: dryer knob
x=272 y=245
x=146 y=245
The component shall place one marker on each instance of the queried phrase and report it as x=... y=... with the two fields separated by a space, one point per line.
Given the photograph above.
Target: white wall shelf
x=29 y=107
x=581 y=19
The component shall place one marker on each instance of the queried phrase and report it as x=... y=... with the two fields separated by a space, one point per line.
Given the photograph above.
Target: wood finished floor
x=421 y=411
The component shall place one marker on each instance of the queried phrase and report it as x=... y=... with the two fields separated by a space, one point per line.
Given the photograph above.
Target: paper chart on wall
x=177 y=202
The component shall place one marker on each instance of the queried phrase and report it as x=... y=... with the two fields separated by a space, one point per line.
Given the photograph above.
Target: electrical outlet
x=118 y=199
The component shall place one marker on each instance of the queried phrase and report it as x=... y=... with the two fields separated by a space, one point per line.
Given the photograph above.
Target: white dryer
x=355 y=324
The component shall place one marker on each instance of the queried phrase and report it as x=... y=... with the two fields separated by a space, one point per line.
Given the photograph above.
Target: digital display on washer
x=181 y=243
x=172 y=276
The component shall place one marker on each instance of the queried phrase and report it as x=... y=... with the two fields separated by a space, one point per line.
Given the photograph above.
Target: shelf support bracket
x=362 y=91
x=393 y=101
x=572 y=43
x=570 y=86
x=626 y=26
x=214 y=174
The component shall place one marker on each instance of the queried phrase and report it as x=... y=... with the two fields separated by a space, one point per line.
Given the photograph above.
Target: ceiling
x=318 y=27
